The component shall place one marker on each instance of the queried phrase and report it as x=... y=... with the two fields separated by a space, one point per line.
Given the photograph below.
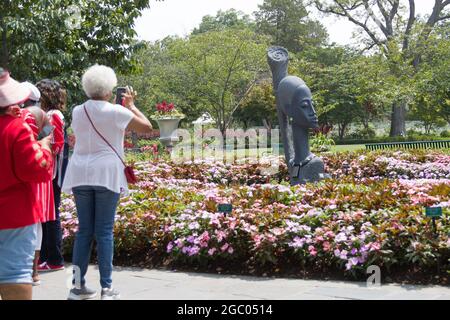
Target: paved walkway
x=141 y=284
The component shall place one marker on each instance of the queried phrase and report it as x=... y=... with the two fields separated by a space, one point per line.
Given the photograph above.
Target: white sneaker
x=82 y=294
x=110 y=294
x=36 y=283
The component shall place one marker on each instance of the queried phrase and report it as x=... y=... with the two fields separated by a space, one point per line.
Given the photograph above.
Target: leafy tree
x=259 y=107
x=224 y=20
x=326 y=55
x=341 y=94
x=432 y=101
x=220 y=68
x=288 y=23
x=60 y=38
x=401 y=40
x=159 y=78
x=210 y=72
x=347 y=87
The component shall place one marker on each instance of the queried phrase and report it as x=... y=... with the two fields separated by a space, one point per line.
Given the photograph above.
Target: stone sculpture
x=296 y=116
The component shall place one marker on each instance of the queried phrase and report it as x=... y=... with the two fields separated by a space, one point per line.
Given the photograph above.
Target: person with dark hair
x=23 y=163
x=53 y=102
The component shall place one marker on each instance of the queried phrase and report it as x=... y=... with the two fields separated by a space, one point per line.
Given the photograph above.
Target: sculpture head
x=296 y=101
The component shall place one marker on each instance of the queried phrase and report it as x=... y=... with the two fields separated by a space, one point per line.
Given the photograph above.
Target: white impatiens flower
x=340 y=237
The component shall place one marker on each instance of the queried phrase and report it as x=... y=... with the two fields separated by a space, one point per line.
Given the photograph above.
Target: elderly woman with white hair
x=95 y=174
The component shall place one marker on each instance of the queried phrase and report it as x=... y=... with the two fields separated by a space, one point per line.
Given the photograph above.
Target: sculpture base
x=313 y=171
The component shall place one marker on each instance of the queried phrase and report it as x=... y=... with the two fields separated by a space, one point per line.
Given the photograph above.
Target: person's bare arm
x=139 y=123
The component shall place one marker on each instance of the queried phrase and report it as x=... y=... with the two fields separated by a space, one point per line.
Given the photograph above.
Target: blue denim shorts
x=17 y=248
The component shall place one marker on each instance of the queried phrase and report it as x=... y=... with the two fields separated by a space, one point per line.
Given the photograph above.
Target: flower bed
x=340 y=226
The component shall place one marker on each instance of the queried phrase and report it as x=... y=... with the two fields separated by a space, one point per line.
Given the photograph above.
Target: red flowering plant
x=324 y=129
x=127 y=144
x=166 y=110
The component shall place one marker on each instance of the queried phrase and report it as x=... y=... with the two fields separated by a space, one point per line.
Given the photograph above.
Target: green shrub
x=147 y=142
x=445 y=134
x=364 y=133
x=321 y=143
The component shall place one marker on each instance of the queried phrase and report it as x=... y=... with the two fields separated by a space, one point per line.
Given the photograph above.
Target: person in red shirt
x=38 y=121
x=53 y=101
x=23 y=161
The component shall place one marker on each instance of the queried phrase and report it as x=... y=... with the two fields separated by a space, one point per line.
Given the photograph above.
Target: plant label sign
x=225 y=207
x=433 y=212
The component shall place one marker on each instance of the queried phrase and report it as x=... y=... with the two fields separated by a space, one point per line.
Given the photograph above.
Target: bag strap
x=90 y=120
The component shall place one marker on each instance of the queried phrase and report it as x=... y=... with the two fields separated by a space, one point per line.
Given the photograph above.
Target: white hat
x=35 y=93
x=11 y=91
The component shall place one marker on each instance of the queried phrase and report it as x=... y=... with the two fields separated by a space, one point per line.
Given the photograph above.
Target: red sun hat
x=11 y=91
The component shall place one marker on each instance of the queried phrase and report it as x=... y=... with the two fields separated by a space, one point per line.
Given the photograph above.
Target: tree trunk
x=342 y=127
x=398 y=120
x=268 y=125
x=223 y=128
x=428 y=126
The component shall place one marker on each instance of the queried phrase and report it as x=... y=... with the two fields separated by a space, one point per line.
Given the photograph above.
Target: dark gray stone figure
x=296 y=115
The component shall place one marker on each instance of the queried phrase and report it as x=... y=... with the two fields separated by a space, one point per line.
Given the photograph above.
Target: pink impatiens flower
x=257 y=239
x=224 y=247
x=326 y=246
x=312 y=250
x=375 y=246
x=220 y=235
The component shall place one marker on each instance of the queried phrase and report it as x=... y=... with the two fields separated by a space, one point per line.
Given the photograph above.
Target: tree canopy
x=60 y=38
x=213 y=72
x=402 y=40
x=224 y=20
x=221 y=67
x=289 y=24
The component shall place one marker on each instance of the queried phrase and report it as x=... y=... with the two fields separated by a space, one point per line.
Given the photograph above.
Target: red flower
x=323 y=129
x=164 y=107
x=128 y=144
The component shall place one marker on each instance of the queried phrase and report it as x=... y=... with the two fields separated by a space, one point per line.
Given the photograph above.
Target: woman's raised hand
x=128 y=97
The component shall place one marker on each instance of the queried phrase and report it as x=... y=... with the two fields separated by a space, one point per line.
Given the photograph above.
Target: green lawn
x=343 y=148
x=246 y=153
x=350 y=147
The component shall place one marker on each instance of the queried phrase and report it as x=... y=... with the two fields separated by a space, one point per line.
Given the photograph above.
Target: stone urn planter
x=168 y=119
x=168 y=128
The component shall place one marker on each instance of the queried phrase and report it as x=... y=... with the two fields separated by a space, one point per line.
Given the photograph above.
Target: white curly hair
x=99 y=81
